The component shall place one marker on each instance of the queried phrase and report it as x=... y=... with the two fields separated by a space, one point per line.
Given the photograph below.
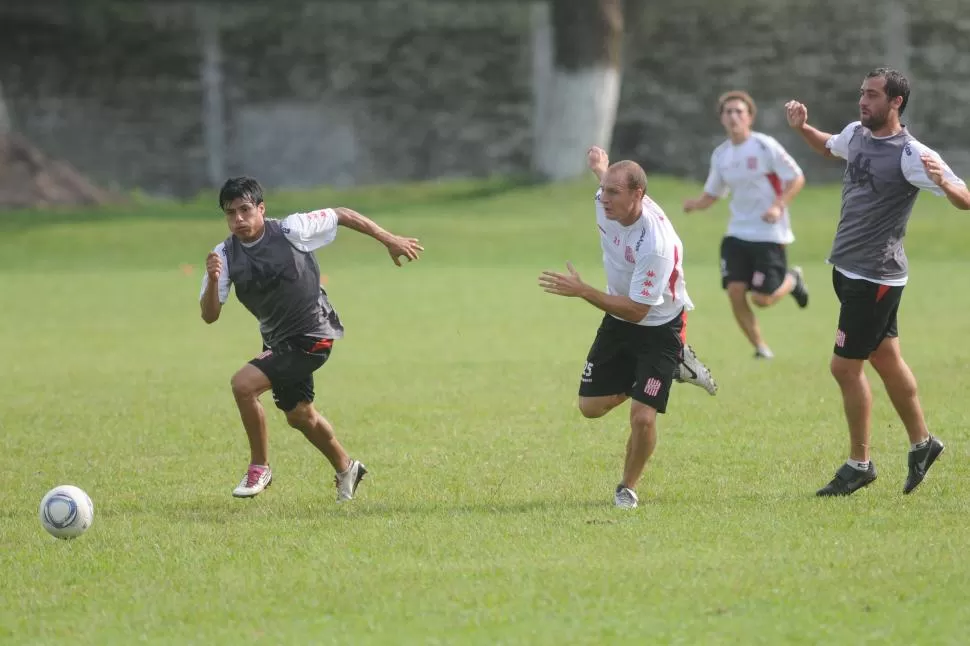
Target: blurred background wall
x=171 y=97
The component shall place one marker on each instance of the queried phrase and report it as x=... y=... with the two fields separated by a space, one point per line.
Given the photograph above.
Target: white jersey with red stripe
x=754 y=172
x=645 y=262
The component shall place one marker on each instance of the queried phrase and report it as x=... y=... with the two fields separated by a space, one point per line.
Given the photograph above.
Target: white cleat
x=764 y=352
x=257 y=478
x=625 y=498
x=692 y=371
x=347 y=481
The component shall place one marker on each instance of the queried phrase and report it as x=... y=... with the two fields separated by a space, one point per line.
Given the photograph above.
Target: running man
x=763 y=179
x=885 y=169
x=276 y=276
x=640 y=345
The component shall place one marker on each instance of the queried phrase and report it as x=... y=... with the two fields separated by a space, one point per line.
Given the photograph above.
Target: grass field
x=487 y=517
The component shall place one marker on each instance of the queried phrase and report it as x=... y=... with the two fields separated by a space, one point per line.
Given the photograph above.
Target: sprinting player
x=641 y=340
x=763 y=179
x=885 y=168
x=276 y=276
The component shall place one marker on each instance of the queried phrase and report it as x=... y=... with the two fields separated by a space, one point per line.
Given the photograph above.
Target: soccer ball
x=66 y=512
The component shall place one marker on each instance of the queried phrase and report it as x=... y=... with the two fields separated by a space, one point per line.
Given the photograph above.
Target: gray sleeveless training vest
x=280 y=286
x=877 y=201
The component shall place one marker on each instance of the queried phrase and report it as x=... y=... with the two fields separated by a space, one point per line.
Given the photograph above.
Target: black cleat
x=920 y=462
x=800 y=291
x=848 y=480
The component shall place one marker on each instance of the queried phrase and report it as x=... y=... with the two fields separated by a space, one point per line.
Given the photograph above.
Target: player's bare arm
x=788 y=193
x=958 y=195
x=572 y=285
x=797 y=115
x=211 y=307
x=699 y=204
x=598 y=161
x=397 y=246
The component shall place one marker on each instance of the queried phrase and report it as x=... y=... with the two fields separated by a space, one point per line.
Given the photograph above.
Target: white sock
x=858 y=465
x=919 y=445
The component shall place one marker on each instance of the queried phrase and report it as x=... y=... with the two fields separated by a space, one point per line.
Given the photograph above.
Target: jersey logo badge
x=752 y=163
x=859 y=173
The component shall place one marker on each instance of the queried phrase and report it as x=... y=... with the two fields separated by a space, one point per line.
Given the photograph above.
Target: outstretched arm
x=572 y=284
x=798 y=120
x=316 y=229
x=700 y=203
x=714 y=188
x=397 y=246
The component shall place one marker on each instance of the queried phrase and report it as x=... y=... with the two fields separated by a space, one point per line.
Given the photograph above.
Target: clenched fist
x=213 y=266
x=597 y=160
x=797 y=114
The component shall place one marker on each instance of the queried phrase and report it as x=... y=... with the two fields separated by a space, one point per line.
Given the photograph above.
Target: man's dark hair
x=896 y=84
x=245 y=188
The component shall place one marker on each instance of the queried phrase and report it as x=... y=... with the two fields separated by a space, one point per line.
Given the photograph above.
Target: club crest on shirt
x=752 y=163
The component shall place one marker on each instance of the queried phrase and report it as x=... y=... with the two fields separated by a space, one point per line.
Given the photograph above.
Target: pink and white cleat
x=257 y=478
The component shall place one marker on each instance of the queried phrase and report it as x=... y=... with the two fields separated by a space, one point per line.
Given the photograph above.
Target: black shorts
x=290 y=365
x=867 y=316
x=761 y=266
x=634 y=360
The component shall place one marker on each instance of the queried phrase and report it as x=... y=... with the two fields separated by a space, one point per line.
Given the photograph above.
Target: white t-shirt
x=645 y=262
x=755 y=171
x=305 y=231
x=913 y=170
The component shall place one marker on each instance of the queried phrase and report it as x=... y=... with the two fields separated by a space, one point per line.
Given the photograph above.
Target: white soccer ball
x=66 y=511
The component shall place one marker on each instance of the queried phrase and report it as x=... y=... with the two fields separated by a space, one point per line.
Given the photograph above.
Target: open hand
x=570 y=284
x=399 y=246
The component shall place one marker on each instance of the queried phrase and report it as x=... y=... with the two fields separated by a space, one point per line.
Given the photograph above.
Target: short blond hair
x=636 y=177
x=737 y=95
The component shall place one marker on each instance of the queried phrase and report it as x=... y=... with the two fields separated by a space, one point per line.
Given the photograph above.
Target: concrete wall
x=170 y=98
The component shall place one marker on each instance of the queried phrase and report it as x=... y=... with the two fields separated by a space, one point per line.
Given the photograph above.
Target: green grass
x=488 y=516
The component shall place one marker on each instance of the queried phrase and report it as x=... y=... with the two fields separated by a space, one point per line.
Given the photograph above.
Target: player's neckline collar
x=254 y=242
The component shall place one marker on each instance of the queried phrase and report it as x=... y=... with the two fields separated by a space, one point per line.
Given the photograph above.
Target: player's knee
x=241 y=386
x=761 y=300
x=845 y=370
x=737 y=291
x=591 y=408
x=643 y=417
x=301 y=416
